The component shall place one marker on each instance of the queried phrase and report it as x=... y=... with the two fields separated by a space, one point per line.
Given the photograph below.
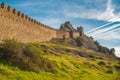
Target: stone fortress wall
x=14 y=24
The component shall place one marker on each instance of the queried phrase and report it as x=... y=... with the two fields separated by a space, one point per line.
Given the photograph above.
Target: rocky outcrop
x=104 y=49
x=87 y=42
x=67 y=26
x=82 y=39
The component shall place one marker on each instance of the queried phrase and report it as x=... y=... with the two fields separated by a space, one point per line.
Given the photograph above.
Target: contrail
x=99 y=27
x=110 y=10
x=101 y=31
x=110 y=31
x=109 y=34
x=105 y=30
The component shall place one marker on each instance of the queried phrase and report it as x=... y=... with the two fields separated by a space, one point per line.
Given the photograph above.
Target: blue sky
x=100 y=18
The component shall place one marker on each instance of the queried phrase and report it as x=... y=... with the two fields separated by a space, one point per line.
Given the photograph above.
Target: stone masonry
x=14 y=24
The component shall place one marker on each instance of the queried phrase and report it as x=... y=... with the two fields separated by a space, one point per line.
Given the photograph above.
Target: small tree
x=97 y=43
x=112 y=51
x=79 y=42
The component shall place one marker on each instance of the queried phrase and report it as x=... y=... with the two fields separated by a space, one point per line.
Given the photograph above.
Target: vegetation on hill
x=24 y=56
x=55 y=60
x=104 y=49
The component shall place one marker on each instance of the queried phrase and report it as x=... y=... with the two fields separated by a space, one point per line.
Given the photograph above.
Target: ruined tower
x=80 y=30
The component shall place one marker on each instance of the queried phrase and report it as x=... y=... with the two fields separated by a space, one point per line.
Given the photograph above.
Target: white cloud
x=106 y=33
x=109 y=32
x=109 y=15
x=53 y=22
x=94 y=13
x=33 y=3
x=108 y=36
x=97 y=28
x=117 y=51
x=105 y=30
x=25 y=4
x=82 y=12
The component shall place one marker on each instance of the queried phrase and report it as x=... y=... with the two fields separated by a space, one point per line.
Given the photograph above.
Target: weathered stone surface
x=67 y=27
x=14 y=24
x=73 y=33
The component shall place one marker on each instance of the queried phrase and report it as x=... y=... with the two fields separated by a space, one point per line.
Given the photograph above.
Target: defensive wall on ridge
x=15 y=24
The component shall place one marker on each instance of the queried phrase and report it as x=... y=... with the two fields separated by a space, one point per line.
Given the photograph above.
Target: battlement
x=10 y=8
x=8 y=11
x=3 y=6
x=15 y=24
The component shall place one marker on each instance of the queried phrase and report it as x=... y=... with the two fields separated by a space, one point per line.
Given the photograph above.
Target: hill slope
x=55 y=61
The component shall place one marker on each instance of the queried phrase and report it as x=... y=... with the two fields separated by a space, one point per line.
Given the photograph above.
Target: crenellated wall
x=62 y=34
x=14 y=24
x=76 y=34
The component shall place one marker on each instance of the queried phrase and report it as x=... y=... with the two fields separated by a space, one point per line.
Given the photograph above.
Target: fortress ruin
x=15 y=24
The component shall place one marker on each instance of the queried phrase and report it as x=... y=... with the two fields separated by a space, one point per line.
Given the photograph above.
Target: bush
x=87 y=64
x=79 y=42
x=91 y=56
x=109 y=71
x=101 y=63
x=109 y=67
x=99 y=58
x=10 y=48
x=112 y=51
x=25 y=56
x=117 y=67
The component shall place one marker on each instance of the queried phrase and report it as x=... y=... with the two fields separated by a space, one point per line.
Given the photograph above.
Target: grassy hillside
x=55 y=61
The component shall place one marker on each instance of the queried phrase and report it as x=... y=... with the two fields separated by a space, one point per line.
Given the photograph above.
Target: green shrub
x=25 y=56
x=91 y=56
x=109 y=67
x=88 y=65
x=101 y=63
x=109 y=71
x=117 y=67
x=11 y=49
x=99 y=58
x=79 y=42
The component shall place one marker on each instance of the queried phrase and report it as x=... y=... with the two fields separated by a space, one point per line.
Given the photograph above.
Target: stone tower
x=80 y=30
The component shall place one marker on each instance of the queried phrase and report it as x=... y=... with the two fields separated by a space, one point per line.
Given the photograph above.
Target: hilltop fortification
x=15 y=24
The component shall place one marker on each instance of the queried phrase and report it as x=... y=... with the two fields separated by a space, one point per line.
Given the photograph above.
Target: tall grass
x=51 y=61
x=25 y=56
